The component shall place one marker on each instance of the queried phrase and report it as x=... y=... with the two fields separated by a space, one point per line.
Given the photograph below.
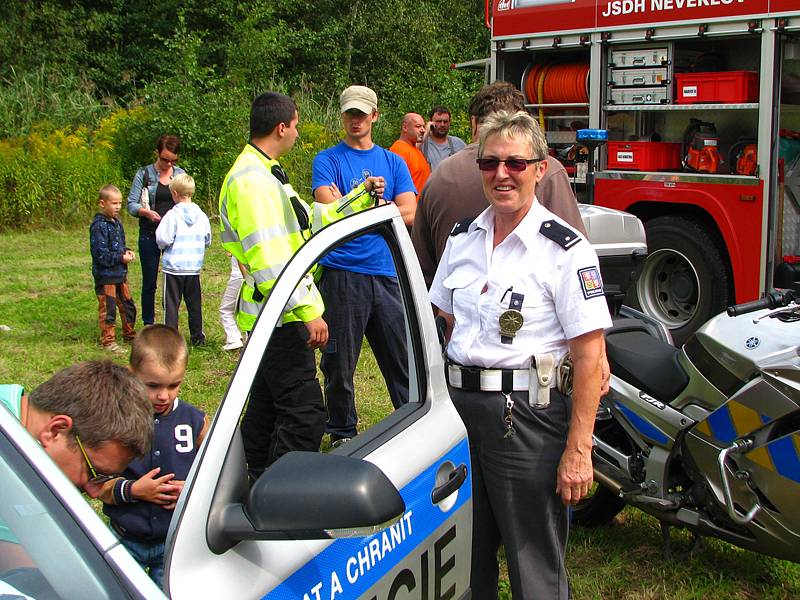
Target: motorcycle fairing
x=646 y=429
x=756 y=404
x=781 y=456
x=772 y=467
x=729 y=422
x=775 y=472
x=725 y=370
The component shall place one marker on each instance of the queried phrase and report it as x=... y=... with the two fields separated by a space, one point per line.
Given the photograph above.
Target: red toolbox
x=644 y=156
x=723 y=87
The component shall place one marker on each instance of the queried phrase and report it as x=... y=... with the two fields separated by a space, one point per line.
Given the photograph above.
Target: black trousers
x=186 y=287
x=285 y=410
x=514 y=499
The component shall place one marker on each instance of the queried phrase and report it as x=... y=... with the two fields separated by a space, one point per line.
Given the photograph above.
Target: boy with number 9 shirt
x=141 y=501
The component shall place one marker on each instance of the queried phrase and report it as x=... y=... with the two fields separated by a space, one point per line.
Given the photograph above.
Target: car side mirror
x=309 y=495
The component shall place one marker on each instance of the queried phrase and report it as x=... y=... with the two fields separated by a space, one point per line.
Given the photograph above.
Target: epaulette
x=561 y=235
x=461 y=226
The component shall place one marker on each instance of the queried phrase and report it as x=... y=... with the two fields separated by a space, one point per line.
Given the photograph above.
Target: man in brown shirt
x=454 y=191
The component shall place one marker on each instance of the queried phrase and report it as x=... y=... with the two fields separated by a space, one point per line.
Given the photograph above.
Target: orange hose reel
x=563 y=83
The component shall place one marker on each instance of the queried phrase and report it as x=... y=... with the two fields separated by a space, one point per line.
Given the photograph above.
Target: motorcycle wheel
x=598 y=508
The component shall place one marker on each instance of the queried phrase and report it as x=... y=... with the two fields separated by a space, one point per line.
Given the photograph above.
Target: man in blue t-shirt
x=359 y=283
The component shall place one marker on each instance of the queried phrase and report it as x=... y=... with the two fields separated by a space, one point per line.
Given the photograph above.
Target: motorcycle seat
x=647 y=363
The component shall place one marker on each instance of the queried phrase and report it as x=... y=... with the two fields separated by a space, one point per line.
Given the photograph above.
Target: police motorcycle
x=707 y=436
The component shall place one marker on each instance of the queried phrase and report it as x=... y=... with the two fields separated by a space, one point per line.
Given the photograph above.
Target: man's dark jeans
x=357 y=305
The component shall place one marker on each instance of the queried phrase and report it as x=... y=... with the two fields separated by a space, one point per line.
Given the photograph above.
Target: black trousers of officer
x=514 y=497
x=285 y=410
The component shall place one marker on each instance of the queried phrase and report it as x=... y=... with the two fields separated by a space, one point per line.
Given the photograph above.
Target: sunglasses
x=96 y=478
x=171 y=161
x=515 y=165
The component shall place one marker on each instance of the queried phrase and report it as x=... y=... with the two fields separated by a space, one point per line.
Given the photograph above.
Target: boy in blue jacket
x=140 y=502
x=110 y=258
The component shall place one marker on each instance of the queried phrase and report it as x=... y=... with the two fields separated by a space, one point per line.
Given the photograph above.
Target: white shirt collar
x=527 y=229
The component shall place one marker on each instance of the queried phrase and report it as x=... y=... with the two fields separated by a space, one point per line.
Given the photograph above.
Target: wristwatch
x=511 y=320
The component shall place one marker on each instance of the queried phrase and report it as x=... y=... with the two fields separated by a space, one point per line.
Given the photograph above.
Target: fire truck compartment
x=638 y=57
x=642 y=95
x=639 y=77
x=644 y=156
x=722 y=87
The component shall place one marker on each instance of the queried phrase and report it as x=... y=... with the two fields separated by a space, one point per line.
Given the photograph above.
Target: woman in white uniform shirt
x=519 y=290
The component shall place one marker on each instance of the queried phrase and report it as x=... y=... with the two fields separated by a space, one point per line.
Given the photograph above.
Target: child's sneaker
x=114 y=348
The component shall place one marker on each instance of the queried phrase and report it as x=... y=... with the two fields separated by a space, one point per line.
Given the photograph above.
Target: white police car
x=385 y=517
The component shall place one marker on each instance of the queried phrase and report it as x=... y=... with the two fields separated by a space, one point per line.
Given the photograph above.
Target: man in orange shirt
x=411 y=133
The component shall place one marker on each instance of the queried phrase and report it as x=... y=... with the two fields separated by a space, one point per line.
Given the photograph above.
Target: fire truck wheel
x=684 y=281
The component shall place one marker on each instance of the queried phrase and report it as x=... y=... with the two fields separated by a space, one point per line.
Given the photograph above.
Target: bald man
x=412 y=131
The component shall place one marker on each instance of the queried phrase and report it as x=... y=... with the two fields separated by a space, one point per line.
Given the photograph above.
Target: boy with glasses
x=140 y=502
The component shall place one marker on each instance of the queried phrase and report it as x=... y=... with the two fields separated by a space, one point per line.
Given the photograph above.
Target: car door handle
x=454 y=481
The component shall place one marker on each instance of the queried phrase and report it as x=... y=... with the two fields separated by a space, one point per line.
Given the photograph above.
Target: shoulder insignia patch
x=591 y=282
x=461 y=226
x=561 y=235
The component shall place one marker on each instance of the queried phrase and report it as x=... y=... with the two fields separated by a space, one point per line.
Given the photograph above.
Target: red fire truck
x=701 y=101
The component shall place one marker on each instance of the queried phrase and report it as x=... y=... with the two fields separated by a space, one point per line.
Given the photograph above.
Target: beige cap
x=359 y=97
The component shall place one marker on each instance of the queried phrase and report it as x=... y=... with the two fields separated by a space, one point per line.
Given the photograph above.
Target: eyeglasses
x=171 y=161
x=515 y=165
x=96 y=478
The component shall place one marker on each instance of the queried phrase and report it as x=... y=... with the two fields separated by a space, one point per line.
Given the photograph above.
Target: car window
x=372 y=397
x=389 y=331
x=43 y=553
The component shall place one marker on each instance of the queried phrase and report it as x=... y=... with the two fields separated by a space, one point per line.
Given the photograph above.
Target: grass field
x=47 y=300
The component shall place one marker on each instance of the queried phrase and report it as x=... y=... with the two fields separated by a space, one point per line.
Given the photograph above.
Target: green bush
x=129 y=135
x=51 y=177
x=64 y=99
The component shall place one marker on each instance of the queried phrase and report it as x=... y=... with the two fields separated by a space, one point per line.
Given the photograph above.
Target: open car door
x=385 y=516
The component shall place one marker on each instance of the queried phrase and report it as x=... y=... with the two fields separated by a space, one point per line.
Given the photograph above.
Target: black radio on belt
x=511 y=320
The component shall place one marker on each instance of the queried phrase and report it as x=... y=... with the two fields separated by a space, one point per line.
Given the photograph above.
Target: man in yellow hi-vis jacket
x=263 y=224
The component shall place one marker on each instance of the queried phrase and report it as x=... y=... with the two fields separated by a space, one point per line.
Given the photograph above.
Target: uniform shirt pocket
x=465 y=288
